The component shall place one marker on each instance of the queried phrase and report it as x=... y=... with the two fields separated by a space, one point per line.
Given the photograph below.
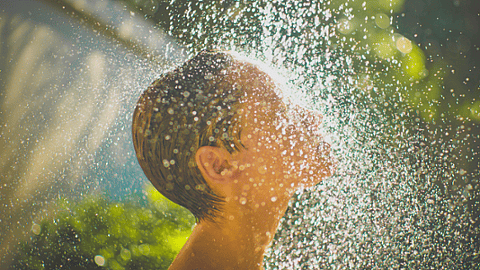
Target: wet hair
x=192 y=106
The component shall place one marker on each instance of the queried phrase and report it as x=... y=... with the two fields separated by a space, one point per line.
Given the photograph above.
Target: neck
x=237 y=240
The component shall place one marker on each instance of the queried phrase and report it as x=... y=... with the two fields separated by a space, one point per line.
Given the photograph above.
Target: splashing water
x=391 y=203
x=403 y=195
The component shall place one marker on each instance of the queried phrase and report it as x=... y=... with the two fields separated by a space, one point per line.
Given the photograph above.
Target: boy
x=215 y=136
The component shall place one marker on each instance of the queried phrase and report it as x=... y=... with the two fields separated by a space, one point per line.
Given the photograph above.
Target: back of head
x=192 y=106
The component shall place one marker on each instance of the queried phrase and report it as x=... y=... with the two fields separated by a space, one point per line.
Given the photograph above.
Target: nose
x=305 y=120
x=312 y=117
x=309 y=120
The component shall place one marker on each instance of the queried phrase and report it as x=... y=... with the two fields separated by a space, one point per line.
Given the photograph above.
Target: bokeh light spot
x=345 y=26
x=384 y=50
x=36 y=229
x=414 y=64
x=100 y=260
x=126 y=254
x=382 y=20
x=475 y=110
x=403 y=44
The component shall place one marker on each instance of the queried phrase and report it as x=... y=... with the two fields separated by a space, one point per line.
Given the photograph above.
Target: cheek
x=304 y=155
x=289 y=147
x=292 y=140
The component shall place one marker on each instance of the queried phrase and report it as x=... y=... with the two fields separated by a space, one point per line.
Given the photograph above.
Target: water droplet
x=166 y=163
x=262 y=169
x=242 y=200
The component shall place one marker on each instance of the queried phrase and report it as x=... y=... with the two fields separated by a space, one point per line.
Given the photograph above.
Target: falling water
x=403 y=195
x=397 y=199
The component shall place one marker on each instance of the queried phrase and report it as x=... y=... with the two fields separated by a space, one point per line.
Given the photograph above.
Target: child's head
x=209 y=102
x=189 y=107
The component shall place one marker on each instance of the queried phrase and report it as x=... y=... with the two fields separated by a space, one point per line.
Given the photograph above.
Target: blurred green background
x=414 y=61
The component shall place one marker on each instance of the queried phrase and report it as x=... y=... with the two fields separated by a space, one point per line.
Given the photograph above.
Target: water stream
x=405 y=191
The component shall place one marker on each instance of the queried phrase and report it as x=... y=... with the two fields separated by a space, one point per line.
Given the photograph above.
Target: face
x=283 y=146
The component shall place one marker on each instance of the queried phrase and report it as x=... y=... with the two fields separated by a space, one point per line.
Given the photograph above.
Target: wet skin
x=257 y=182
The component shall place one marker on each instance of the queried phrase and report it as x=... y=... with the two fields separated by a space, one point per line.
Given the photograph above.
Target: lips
x=322 y=156
x=323 y=148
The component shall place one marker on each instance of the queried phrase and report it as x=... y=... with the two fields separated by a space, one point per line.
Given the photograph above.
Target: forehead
x=261 y=99
x=257 y=85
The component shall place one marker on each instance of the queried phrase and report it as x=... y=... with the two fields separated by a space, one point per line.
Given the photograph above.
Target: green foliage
x=98 y=233
x=416 y=73
x=413 y=63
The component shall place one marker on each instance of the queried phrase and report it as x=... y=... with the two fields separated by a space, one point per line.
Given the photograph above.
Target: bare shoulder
x=187 y=259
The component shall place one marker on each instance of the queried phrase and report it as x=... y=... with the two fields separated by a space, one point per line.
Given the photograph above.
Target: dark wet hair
x=192 y=106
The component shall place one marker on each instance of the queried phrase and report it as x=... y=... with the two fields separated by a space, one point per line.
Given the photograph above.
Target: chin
x=327 y=169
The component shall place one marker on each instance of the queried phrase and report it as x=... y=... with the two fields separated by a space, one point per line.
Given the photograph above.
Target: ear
x=214 y=164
